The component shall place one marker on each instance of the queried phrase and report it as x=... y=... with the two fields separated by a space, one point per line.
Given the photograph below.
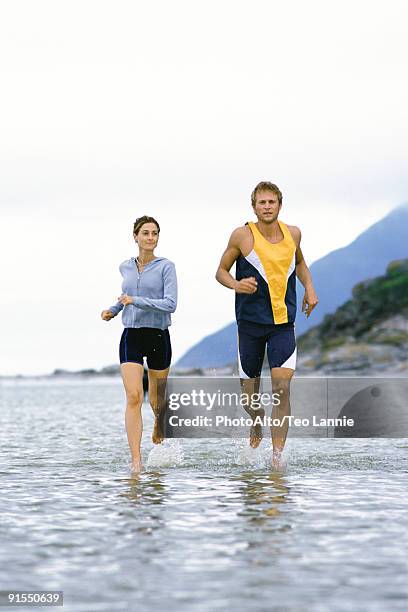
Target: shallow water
x=206 y=526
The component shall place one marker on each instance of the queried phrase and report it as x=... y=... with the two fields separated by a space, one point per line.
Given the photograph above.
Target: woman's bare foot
x=136 y=464
x=277 y=459
x=157 y=434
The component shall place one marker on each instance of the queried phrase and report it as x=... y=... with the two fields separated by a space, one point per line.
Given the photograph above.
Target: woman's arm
x=168 y=302
x=116 y=308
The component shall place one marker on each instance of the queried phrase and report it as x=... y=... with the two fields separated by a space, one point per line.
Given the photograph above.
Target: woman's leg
x=157 y=398
x=158 y=363
x=132 y=376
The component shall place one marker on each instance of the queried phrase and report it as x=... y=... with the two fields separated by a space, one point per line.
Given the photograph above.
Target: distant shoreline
x=88 y=374
x=114 y=372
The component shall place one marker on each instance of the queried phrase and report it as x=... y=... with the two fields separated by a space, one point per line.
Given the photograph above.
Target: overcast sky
x=111 y=110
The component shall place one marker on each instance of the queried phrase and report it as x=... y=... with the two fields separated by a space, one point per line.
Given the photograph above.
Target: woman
x=149 y=296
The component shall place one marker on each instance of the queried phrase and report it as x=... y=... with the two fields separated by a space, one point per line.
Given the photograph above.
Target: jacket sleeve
x=116 y=308
x=168 y=302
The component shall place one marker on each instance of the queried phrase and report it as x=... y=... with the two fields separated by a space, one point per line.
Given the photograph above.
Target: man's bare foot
x=277 y=459
x=157 y=434
x=136 y=465
x=256 y=433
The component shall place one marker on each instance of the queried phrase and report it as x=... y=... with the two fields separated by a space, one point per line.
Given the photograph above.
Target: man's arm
x=303 y=273
x=230 y=255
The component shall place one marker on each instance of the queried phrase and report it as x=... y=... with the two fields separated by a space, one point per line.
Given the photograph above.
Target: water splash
x=260 y=457
x=168 y=454
x=246 y=455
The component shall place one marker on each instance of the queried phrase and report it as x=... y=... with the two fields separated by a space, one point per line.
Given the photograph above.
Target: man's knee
x=281 y=382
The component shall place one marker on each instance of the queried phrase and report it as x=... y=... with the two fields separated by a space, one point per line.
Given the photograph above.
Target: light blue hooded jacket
x=154 y=293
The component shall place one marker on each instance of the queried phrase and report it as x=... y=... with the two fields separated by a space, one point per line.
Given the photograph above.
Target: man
x=268 y=258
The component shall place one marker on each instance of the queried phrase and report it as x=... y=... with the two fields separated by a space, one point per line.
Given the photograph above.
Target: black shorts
x=149 y=342
x=253 y=338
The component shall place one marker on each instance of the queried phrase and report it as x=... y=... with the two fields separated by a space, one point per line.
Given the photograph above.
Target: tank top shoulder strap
x=255 y=232
x=285 y=231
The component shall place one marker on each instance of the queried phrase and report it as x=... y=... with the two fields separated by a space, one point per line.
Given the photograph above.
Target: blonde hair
x=266 y=186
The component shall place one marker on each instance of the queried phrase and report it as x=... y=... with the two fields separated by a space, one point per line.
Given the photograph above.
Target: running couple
x=268 y=258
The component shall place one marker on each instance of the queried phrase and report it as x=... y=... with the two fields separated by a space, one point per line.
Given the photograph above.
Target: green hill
x=368 y=332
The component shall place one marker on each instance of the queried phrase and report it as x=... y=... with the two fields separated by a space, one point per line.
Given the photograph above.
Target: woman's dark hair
x=141 y=221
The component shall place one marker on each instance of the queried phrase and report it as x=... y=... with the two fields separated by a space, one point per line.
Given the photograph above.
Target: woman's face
x=147 y=236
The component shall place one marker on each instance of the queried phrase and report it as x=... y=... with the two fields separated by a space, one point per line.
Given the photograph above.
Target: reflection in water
x=263 y=495
x=215 y=531
x=145 y=488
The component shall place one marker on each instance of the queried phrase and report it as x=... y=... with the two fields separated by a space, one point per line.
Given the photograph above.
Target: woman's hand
x=107 y=315
x=125 y=299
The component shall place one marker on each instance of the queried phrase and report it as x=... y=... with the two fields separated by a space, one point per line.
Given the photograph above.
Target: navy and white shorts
x=253 y=338
x=150 y=342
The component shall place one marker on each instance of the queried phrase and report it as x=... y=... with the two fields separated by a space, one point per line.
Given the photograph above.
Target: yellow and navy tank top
x=273 y=266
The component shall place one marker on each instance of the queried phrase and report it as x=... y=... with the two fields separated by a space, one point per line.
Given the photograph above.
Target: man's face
x=147 y=236
x=267 y=206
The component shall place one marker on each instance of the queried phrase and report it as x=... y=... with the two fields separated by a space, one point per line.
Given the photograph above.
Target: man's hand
x=309 y=301
x=107 y=315
x=246 y=285
x=125 y=299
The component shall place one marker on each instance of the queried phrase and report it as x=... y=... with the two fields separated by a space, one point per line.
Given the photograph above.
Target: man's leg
x=281 y=378
x=282 y=355
x=251 y=351
x=250 y=386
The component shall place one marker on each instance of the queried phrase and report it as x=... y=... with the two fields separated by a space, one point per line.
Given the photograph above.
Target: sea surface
x=207 y=526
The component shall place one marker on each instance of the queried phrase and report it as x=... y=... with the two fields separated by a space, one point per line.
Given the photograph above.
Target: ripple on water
x=208 y=525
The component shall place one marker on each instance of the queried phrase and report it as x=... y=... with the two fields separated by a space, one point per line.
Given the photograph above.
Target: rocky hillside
x=368 y=334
